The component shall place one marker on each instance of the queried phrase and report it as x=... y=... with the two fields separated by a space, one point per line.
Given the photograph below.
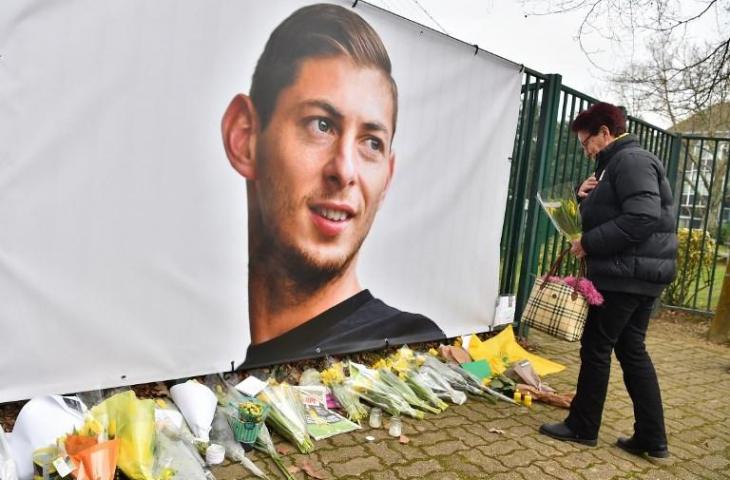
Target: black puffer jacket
x=628 y=222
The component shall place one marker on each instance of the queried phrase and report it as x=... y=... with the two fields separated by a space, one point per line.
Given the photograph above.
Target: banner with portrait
x=189 y=187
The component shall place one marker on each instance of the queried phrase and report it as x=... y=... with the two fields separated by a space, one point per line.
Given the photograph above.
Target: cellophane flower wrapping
x=287 y=414
x=368 y=384
x=560 y=205
x=222 y=434
x=334 y=378
x=132 y=422
x=406 y=363
x=383 y=367
x=266 y=445
x=175 y=459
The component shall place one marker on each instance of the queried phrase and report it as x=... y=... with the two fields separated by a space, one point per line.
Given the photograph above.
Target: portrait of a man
x=313 y=142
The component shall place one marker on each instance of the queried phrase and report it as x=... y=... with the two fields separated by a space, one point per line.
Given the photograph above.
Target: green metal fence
x=546 y=153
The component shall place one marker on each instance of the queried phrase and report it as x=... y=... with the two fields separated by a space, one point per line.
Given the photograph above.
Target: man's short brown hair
x=321 y=30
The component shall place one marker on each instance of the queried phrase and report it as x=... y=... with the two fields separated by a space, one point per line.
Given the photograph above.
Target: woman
x=629 y=244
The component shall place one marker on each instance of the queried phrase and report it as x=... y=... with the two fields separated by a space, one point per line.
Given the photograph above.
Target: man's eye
x=323 y=125
x=375 y=144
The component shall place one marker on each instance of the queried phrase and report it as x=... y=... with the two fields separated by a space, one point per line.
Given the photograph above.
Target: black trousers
x=619 y=324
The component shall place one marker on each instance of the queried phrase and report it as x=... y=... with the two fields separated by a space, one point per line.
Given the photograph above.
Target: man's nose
x=342 y=167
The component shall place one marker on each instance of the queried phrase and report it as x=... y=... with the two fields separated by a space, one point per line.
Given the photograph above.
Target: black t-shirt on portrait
x=362 y=322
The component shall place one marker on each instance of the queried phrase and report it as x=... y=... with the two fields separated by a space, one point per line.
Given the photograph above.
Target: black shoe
x=560 y=431
x=635 y=447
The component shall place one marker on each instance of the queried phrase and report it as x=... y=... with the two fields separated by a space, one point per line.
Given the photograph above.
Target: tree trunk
x=720 y=326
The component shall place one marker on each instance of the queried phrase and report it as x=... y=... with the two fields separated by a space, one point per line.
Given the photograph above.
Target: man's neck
x=277 y=305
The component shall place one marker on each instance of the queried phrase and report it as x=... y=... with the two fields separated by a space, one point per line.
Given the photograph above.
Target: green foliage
x=694 y=268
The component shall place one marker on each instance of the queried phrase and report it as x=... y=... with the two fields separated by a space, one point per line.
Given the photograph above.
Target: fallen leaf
x=283 y=449
x=307 y=467
x=403 y=439
x=497 y=431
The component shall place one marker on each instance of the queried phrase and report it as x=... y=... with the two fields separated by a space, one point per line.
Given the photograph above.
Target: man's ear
x=391 y=170
x=240 y=126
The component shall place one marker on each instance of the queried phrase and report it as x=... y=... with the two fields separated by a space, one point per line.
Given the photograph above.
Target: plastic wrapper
x=287 y=415
x=174 y=459
x=197 y=403
x=400 y=385
x=266 y=445
x=440 y=387
x=334 y=378
x=368 y=385
x=222 y=434
x=310 y=377
x=561 y=207
x=132 y=422
x=8 y=469
x=406 y=363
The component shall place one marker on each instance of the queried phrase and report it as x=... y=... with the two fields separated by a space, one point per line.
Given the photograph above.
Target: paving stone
x=342 y=453
x=501 y=448
x=521 y=458
x=419 y=468
x=458 y=445
x=577 y=460
x=445 y=448
x=484 y=462
x=385 y=453
x=553 y=468
x=355 y=467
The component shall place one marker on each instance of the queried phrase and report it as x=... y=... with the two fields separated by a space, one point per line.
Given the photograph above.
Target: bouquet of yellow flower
x=398 y=384
x=406 y=363
x=334 y=378
x=287 y=414
x=561 y=207
x=370 y=386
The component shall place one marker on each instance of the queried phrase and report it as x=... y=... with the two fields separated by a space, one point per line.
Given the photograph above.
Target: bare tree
x=657 y=58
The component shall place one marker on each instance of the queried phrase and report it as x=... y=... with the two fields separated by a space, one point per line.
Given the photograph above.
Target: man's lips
x=331 y=218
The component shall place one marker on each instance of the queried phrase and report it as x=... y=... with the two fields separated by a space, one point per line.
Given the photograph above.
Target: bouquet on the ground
x=406 y=363
x=222 y=434
x=370 y=387
x=92 y=453
x=439 y=385
x=287 y=414
x=132 y=422
x=334 y=378
x=457 y=377
x=561 y=207
x=266 y=445
x=176 y=457
x=383 y=368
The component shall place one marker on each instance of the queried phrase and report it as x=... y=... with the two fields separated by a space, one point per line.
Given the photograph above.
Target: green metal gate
x=546 y=153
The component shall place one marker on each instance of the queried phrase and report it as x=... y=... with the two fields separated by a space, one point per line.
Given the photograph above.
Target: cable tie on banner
x=522 y=68
x=355 y=3
x=476 y=49
x=233 y=369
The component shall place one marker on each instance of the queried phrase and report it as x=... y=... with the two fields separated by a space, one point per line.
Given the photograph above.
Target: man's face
x=323 y=163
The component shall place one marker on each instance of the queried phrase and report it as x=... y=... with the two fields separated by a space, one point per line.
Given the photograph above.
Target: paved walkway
x=458 y=444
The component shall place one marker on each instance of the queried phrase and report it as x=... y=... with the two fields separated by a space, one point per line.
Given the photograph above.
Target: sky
x=546 y=43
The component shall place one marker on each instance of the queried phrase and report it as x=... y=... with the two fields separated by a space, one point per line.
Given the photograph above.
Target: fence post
x=673 y=163
x=545 y=149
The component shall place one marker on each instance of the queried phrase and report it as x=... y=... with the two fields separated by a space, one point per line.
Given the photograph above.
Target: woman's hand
x=586 y=187
x=577 y=249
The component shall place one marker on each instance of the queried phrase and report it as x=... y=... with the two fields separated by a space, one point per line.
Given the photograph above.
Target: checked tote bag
x=555 y=308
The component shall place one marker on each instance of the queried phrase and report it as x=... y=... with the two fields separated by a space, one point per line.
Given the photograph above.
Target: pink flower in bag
x=581 y=285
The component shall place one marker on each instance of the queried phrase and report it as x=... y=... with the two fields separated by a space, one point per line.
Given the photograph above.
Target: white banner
x=124 y=229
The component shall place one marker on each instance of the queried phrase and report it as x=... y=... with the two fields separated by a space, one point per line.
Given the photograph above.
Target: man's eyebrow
x=326 y=106
x=376 y=127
